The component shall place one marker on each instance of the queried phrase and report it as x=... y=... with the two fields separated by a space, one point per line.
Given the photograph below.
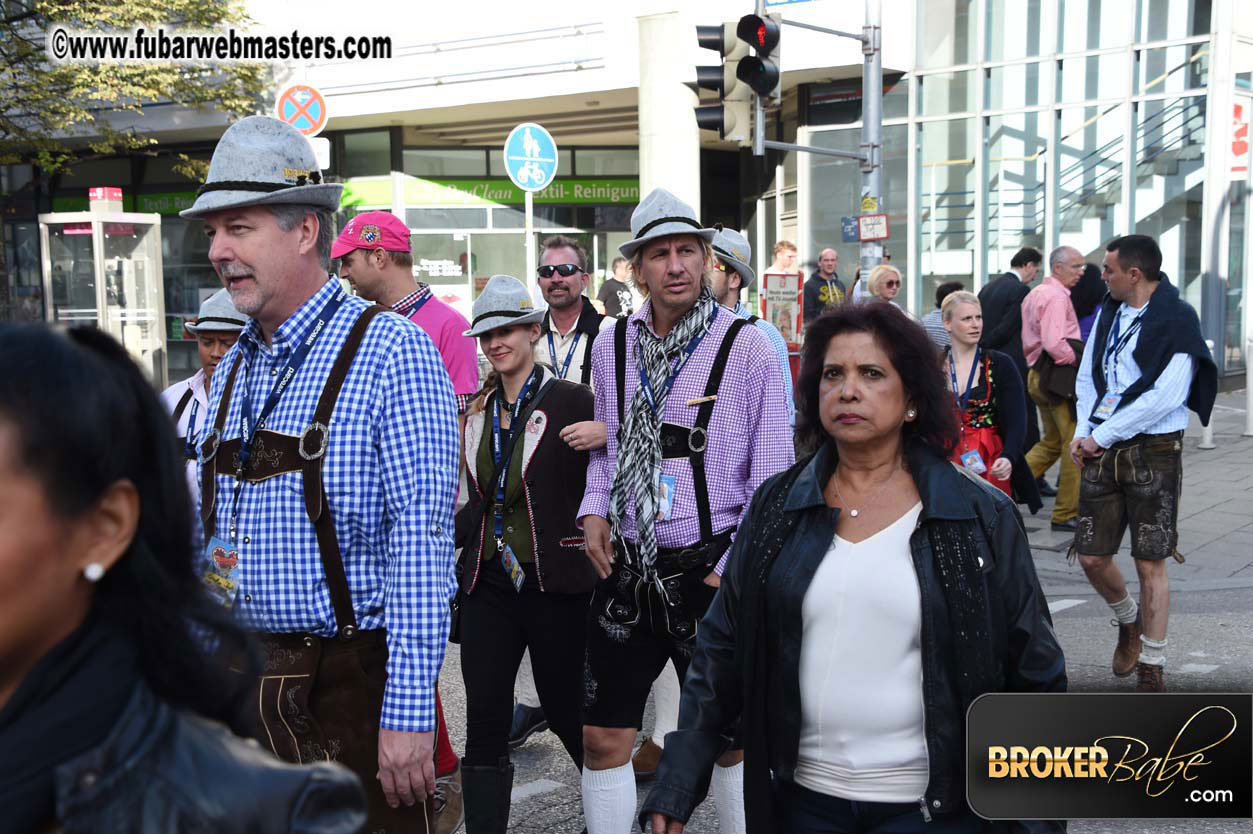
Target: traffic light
x=731 y=117
x=761 y=72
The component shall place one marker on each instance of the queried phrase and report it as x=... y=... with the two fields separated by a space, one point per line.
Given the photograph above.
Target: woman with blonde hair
x=987 y=390
x=884 y=283
x=524 y=581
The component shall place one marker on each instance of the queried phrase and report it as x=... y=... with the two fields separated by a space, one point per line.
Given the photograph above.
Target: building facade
x=1006 y=123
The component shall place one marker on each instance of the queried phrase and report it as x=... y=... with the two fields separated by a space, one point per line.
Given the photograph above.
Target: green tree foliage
x=53 y=113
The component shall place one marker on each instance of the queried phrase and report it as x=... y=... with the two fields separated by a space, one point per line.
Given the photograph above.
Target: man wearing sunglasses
x=572 y=322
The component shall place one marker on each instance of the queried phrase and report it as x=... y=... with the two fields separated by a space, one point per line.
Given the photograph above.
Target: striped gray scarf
x=639 y=450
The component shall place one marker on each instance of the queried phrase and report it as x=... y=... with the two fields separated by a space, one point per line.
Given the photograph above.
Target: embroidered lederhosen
x=317 y=698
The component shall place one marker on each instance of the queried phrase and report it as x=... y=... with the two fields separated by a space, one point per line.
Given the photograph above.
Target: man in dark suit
x=1001 y=300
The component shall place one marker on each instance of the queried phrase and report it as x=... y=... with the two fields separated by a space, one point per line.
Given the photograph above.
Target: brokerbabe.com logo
x=1077 y=756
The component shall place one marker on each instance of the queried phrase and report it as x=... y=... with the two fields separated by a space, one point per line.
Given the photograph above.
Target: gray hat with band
x=732 y=248
x=661 y=214
x=218 y=313
x=504 y=302
x=260 y=161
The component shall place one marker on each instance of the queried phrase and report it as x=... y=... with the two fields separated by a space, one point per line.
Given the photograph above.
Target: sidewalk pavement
x=1215 y=516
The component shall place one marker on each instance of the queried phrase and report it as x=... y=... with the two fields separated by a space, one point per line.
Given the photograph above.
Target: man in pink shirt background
x=374 y=255
x=1048 y=320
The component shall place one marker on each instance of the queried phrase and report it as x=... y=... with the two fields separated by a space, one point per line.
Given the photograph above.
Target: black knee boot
x=487 y=793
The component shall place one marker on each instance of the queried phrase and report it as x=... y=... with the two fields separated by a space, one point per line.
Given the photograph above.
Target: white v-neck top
x=861 y=671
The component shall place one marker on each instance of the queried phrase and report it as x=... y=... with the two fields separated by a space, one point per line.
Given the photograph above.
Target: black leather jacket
x=712 y=700
x=163 y=771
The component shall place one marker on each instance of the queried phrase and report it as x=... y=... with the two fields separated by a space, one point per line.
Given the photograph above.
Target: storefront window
x=110 y=172
x=603 y=162
x=21 y=285
x=945 y=93
x=1237 y=226
x=189 y=279
x=1173 y=69
x=1091 y=151
x=1013 y=29
x=839 y=184
x=1094 y=24
x=1162 y=20
x=446 y=218
x=1092 y=77
x=444 y=162
x=366 y=154
x=946 y=32
x=839 y=102
x=1016 y=164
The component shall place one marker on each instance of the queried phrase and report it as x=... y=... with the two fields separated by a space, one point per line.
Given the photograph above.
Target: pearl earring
x=94 y=572
x=911 y=414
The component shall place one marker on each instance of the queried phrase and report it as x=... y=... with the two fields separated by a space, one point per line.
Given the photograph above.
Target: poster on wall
x=781 y=305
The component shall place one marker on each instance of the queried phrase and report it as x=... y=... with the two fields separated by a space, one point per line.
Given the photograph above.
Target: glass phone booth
x=104 y=269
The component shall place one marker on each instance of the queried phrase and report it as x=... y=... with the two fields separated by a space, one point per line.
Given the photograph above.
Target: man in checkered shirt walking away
x=697 y=419
x=328 y=474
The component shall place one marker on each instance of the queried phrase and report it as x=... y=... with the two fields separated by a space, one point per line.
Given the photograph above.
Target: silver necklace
x=835 y=479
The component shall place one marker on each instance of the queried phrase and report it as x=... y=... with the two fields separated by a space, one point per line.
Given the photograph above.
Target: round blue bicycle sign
x=530 y=157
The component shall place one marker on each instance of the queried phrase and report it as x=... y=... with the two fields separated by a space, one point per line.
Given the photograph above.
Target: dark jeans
x=497 y=625
x=802 y=811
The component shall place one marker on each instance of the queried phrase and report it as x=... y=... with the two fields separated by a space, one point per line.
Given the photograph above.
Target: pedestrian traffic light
x=731 y=116
x=761 y=72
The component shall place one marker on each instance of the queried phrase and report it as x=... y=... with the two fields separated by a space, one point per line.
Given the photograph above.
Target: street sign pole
x=872 y=129
x=530 y=243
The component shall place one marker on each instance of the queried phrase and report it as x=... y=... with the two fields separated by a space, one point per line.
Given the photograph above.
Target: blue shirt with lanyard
x=247 y=428
x=499 y=440
x=674 y=373
x=552 y=352
x=1115 y=345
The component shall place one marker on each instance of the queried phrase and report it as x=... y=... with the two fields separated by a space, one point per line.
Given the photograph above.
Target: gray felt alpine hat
x=661 y=214
x=218 y=313
x=260 y=161
x=732 y=248
x=504 y=302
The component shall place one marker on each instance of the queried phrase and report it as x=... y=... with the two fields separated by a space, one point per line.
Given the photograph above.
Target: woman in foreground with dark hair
x=874 y=591
x=105 y=690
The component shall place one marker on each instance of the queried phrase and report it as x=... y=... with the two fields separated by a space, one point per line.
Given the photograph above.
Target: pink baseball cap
x=372 y=230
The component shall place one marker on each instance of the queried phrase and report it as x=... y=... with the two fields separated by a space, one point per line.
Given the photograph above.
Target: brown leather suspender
x=291 y=454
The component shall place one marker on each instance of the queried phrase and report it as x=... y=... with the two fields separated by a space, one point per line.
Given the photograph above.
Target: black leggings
x=497 y=625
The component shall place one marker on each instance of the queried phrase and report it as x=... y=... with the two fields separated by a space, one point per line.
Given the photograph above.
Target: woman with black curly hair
x=874 y=591
x=108 y=679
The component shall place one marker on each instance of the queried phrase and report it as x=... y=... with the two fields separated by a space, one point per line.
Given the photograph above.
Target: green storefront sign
x=377 y=191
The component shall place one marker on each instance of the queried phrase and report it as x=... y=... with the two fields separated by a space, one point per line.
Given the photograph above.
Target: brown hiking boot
x=645 y=760
x=1150 y=678
x=1127 y=652
x=449 y=805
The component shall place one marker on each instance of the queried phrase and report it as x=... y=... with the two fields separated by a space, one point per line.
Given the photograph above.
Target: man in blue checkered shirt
x=385 y=462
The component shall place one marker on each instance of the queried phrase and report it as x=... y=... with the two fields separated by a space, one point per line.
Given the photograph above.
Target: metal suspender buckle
x=325 y=441
x=209 y=446
x=348 y=632
x=697 y=446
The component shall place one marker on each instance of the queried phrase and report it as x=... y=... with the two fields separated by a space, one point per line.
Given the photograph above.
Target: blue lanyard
x=674 y=373
x=962 y=398
x=419 y=304
x=552 y=352
x=1114 y=346
x=247 y=428
x=189 y=439
x=498 y=445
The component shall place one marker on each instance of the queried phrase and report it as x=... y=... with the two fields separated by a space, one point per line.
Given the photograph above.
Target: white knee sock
x=524 y=686
x=1154 y=652
x=666 y=700
x=1126 y=611
x=609 y=800
x=728 y=783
